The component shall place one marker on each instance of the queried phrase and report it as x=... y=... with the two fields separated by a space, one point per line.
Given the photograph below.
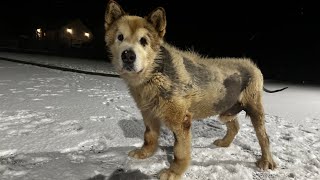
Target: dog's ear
x=113 y=12
x=158 y=19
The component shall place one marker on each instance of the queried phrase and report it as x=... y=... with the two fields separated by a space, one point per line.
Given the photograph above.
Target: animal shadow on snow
x=209 y=128
x=128 y=175
x=132 y=128
x=98 y=177
x=121 y=174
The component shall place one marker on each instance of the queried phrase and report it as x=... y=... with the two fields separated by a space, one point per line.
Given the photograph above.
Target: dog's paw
x=266 y=164
x=139 y=154
x=167 y=174
x=221 y=143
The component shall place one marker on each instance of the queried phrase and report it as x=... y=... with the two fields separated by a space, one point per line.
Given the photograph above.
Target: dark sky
x=274 y=33
x=189 y=15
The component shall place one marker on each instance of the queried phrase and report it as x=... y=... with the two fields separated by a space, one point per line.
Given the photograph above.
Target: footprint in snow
x=68 y=127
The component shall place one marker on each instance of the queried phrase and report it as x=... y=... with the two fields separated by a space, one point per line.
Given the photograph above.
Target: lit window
x=87 y=34
x=39 y=33
x=69 y=30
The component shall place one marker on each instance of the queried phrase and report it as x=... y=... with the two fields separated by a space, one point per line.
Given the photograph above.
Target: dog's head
x=133 y=41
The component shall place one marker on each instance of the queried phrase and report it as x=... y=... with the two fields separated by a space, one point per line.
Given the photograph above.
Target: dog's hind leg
x=256 y=113
x=230 y=118
x=151 y=135
x=181 y=149
x=232 y=130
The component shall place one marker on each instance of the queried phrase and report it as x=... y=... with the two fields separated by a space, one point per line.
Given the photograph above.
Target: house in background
x=71 y=34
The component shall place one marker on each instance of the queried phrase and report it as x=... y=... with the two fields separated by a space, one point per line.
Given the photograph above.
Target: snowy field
x=64 y=125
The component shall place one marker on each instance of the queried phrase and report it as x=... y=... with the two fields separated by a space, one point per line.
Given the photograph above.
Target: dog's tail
x=273 y=91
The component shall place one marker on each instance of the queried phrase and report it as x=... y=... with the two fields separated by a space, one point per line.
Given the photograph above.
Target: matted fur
x=173 y=87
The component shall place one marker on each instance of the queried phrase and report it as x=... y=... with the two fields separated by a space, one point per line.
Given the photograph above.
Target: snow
x=64 y=125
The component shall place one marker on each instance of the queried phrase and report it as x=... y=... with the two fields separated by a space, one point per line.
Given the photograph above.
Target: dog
x=173 y=87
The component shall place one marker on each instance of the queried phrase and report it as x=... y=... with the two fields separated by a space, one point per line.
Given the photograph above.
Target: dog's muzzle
x=128 y=58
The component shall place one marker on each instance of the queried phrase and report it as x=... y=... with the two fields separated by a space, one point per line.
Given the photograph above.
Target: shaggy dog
x=174 y=87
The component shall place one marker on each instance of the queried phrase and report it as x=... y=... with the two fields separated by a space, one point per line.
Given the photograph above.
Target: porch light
x=69 y=30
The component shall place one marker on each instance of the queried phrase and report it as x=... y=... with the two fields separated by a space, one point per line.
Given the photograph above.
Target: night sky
x=282 y=38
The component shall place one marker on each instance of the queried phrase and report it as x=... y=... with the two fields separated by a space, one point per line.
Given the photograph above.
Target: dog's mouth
x=130 y=70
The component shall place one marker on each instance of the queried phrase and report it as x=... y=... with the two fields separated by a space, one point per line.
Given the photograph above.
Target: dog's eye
x=120 y=37
x=143 y=41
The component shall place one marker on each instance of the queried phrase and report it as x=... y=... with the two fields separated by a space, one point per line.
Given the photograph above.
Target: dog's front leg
x=151 y=135
x=182 y=147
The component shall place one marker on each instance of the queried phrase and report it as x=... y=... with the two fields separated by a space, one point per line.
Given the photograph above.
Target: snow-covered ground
x=92 y=65
x=64 y=125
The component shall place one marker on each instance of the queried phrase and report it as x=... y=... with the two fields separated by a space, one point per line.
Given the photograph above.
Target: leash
x=60 y=68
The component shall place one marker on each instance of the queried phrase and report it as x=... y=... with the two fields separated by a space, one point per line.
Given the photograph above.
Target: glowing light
x=39 y=33
x=87 y=34
x=69 y=30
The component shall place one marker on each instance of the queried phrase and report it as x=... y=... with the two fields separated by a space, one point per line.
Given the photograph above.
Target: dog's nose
x=128 y=56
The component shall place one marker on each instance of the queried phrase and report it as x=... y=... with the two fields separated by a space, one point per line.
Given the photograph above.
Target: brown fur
x=173 y=87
